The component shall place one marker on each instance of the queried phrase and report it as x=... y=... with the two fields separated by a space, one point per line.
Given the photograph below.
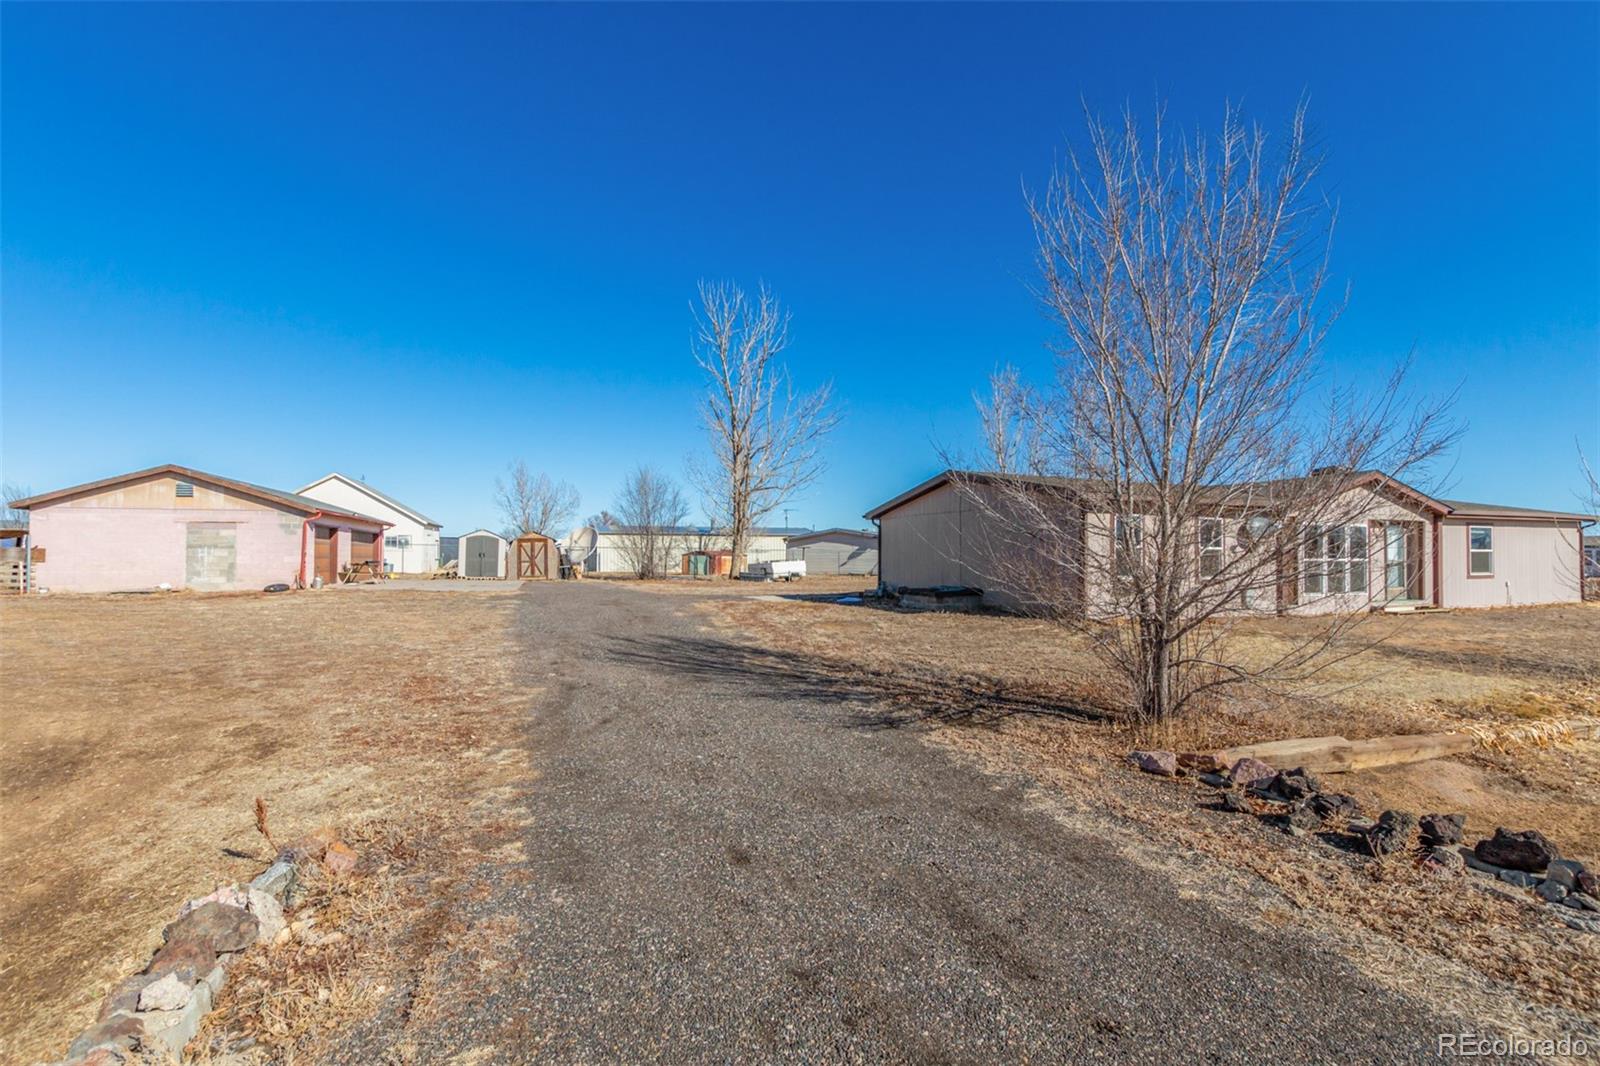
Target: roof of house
x=1457 y=508
x=817 y=534
x=390 y=501
x=291 y=500
x=1467 y=509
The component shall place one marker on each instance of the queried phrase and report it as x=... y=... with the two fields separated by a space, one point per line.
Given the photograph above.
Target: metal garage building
x=836 y=551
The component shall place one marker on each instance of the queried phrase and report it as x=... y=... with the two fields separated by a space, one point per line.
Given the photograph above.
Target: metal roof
x=709 y=531
x=357 y=483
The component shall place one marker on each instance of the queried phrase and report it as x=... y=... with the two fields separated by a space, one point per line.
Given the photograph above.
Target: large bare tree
x=533 y=503
x=1188 y=464
x=766 y=439
x=650 y=512
x=9 y=494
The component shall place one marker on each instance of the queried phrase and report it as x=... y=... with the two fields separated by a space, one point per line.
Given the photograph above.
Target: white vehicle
x=779 y=570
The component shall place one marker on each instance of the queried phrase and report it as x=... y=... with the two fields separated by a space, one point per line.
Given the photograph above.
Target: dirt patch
x=141 y=729
x=1021 y=696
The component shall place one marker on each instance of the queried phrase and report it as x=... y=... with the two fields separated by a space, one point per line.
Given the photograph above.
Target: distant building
x=610 y=553
x=836 y=551
x=411 y=545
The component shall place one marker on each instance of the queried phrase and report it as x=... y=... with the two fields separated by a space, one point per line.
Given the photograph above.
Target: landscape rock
x=1564 y=872
x=219 y=926
x=1589 y=884
x=1302 y=815
x=232 y=895
x=311 y=847
x=1443 y=860
x=124 y=996
x=1234 y=803
x=340 y=860
x=1201 y=762
x=1361 y=826
x=189 y=959
x=1292 y=785
x=1335 y=805
x=1163 y=763
x=1526 y=850
x=1392 y=833
x=1247 y=771
x=1215 y=780
x=104 y=1055
x=168 y=1032
x=1520 y=878
x=1550 y=891
x=276 y=880
x=1439 y=830
x=269 y=915
x=1579 y=901
x=167 y=993
x=120 y=1030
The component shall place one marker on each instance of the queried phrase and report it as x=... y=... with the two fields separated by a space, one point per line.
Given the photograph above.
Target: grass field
x=140 y=730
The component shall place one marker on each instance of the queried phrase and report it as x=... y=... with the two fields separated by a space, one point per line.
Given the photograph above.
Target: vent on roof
x=185 y=489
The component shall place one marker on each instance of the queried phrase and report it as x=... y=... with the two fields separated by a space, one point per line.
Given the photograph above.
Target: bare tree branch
x=533 y=503
x=1185 y=467
x=650 y=511
x=766 y=439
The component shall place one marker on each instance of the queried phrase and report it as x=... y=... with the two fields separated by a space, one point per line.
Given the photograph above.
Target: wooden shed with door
x=535 y=557
x=481 y=554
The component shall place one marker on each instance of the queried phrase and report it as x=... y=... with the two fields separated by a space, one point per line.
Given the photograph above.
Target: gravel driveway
x=718 y=870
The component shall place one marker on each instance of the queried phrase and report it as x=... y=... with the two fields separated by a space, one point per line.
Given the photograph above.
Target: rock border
x=159 y=1010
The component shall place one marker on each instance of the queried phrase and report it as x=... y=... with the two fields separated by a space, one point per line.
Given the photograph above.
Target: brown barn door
x=363 y=547
x=325 y=556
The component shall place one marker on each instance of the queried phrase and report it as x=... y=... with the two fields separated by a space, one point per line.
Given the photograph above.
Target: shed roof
x=708 y=531
x=295 y=502
x=390 y=501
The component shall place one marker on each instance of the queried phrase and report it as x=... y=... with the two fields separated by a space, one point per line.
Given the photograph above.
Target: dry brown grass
x=139 y=731
x=1008 y=693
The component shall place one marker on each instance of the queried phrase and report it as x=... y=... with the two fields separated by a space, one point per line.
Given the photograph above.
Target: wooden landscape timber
x=1334 y=755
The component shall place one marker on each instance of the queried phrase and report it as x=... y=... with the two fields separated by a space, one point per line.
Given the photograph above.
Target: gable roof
x=817 y=533
x=707 y=531
x=293 y=501
x=388 y=501
x=1357 y=479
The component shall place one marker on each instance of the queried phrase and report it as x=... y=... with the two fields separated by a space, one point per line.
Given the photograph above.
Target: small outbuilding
x=836 y=551
x=482 y=554
x=535 y=557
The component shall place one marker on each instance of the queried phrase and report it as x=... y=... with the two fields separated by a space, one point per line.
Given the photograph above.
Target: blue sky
x=415 y=242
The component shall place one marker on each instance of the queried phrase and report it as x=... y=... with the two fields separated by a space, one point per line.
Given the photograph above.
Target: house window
x=1480 y=551
x=1129 y=540
x=185 y=489
x=1210 y=546
x=1336 y=560
x=397 y=542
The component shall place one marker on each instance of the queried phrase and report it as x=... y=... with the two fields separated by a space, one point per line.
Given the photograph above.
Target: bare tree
x=1186 y=465
x=650 y=511
x=11 y=493
x=765 y=438
x=534 y=504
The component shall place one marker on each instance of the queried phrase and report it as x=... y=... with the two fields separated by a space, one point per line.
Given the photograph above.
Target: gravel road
x=721 y=869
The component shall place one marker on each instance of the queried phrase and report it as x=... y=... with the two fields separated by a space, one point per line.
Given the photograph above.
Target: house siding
x=1535 y=561
x=836 y=553
x=421 y=557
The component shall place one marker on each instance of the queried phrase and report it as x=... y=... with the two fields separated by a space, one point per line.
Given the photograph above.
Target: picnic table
x=369 y=569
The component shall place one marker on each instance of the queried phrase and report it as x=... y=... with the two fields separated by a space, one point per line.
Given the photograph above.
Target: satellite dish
x=580 y=542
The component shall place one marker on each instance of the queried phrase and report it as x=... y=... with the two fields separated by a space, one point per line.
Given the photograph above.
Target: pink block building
x=188 y=529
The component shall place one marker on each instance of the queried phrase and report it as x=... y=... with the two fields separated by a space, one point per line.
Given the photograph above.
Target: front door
x=1399 y=565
